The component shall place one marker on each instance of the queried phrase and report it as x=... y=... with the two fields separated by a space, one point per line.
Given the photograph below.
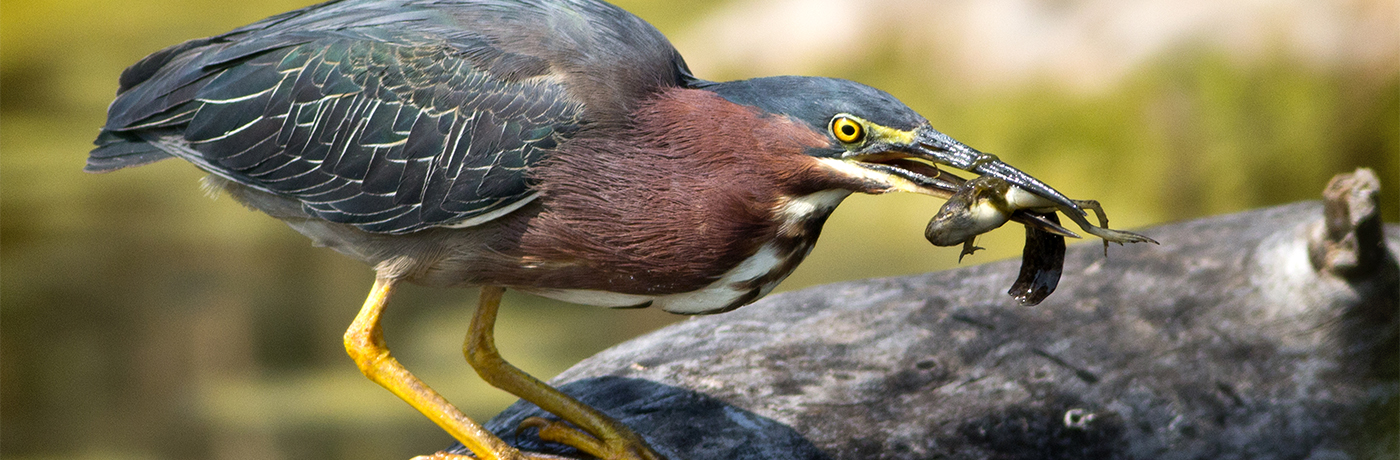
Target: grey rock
x=1255 y=335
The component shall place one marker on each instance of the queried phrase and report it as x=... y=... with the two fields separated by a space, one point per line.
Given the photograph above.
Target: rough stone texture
x=1244 y=336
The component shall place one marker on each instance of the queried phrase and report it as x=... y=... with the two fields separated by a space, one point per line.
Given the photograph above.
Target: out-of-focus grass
x=143 y=320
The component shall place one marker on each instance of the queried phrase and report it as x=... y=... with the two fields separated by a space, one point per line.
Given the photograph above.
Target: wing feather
x=368 y=123
x=390 y=116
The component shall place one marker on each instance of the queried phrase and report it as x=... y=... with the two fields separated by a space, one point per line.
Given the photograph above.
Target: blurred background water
x=140 y=319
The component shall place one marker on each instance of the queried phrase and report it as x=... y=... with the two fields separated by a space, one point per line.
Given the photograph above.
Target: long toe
x=621 y=445
x=1120 y=237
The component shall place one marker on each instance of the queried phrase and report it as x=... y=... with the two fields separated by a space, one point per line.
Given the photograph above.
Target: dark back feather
x=390 y=116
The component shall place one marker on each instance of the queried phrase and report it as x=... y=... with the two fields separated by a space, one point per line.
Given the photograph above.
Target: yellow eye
x=847 y=130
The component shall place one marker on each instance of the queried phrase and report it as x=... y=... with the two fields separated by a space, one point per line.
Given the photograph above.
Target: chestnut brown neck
x=693 y=190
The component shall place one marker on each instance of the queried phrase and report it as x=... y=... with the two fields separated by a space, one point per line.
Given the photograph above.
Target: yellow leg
x=365 y=343
x=597 y=434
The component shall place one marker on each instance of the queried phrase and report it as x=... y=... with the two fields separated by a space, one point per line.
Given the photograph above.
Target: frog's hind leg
x=1102 y=230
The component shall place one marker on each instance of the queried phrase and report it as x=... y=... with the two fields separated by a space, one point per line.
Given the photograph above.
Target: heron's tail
x=115 y=151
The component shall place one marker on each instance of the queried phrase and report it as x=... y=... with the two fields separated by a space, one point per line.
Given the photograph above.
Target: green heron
x=557 y=147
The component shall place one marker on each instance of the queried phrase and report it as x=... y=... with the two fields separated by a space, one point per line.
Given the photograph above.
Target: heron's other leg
x=597 y=434
x=365 y=343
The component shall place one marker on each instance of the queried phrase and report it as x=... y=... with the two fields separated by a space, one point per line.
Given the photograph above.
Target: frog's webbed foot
x=1102 y=231
x=968 y=249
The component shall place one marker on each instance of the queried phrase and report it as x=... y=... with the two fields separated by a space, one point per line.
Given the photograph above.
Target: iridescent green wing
x=380 y=119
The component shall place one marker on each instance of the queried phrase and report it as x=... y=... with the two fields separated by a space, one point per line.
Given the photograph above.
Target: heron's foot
x=613 y=443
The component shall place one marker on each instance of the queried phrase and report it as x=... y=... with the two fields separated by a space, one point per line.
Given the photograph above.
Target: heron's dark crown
x=815 y=100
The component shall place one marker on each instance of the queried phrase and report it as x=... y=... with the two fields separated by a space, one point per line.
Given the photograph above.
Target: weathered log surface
x=1258 y=335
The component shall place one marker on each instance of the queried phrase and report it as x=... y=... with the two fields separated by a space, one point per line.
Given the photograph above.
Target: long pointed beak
x=939 y=148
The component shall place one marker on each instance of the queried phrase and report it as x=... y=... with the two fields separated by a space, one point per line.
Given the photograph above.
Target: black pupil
x=848 y=130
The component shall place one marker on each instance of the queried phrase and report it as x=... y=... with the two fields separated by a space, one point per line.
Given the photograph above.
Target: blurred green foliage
x=143 y=320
